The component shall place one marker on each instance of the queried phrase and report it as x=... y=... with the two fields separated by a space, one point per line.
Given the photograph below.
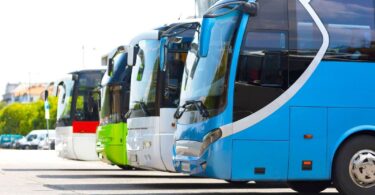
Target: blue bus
x=281 y=90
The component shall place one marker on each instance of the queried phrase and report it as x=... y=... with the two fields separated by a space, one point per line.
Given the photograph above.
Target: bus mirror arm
x=133 y=45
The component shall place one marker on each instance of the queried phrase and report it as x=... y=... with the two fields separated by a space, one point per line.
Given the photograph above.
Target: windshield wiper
x=198 y=105
x=143 y=107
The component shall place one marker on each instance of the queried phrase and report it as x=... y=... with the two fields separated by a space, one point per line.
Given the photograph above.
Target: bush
x=20 y=118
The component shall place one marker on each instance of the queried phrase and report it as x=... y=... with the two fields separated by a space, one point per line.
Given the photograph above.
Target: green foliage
x=20 y=118
x=2 y=105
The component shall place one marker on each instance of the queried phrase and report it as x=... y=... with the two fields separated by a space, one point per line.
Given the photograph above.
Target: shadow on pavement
x=162 y=186
x=231 y=193
x=114 y=176
x=175 y=186
x=83 y=170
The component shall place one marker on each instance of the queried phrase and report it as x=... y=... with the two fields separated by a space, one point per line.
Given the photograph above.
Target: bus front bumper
x=195 y=166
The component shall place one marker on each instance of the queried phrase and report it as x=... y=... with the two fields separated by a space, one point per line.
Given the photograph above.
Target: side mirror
x=250 y=8
x=110 y=66
x=133 y=46
x=110 y=59
x=132 y=55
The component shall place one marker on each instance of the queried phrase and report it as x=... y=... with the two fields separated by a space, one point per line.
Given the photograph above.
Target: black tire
x=309 y=187
x=125 y=167
x=27 y=147
x=341 y=175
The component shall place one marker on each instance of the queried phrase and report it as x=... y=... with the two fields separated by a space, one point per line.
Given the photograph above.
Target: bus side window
x=276 y=50
x=262 y=73
x=352 y=34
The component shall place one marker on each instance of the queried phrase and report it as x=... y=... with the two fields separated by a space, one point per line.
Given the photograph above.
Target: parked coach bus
x=281 y=90
x=155 y=90
x=115 y=92
x=78 y=115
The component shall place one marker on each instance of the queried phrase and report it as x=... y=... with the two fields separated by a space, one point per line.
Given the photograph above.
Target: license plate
x=185 y=167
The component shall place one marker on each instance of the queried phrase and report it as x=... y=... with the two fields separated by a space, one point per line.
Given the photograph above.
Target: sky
x=42 y=40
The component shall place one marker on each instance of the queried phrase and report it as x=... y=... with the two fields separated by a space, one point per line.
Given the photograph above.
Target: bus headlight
x=210 y=138
x=195 y=148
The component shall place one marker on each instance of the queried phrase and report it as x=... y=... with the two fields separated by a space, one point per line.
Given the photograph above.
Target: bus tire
x=309 y=187
x=354 y=166
x=125 y=167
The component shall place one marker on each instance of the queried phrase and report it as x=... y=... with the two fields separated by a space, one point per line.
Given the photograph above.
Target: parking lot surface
x=42 y=172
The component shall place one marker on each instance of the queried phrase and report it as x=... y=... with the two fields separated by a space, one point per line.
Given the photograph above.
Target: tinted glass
x=144 y=80
x=350 y=24
x=115 y=91
x=272 y=14
x=86 y=99
x=305 y=40
x=273 y=57
x=173 y=79
x=205 y=78
x=271 y=40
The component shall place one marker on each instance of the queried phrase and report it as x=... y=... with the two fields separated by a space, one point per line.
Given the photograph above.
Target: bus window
x=350 y=24
x=115 y=103
x=86 y=102
x=305 y=40
x=144 y=80
x=173 y=79
x=262 y=70
x=273 y=56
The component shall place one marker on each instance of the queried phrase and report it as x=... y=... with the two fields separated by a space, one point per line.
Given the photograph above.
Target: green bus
x=115 y=90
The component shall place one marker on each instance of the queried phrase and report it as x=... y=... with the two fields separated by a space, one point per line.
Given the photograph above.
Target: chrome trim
x=188 y=148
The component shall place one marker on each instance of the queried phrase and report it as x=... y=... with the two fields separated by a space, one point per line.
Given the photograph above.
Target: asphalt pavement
x=42 y=172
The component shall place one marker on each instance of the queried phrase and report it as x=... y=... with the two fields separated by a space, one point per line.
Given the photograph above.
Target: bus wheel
x=309 y=187
x=354 y=166
x=125 y=167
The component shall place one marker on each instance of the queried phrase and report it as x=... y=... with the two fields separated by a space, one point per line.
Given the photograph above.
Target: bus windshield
x=205 y=78
x=86 y=101
x=144 y=80
x=77 y=99
x=115 y=92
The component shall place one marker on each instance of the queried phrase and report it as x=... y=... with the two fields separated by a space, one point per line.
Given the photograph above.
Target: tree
x=2 y=105
x=20 y=118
